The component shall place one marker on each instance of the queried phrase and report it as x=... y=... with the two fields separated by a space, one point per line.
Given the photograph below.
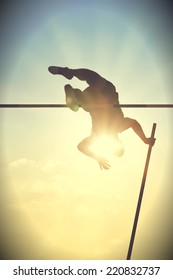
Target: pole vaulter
x=101 y=100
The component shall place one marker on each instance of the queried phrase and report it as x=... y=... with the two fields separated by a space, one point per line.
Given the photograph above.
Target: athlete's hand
x=150 y=141
x=104 y=163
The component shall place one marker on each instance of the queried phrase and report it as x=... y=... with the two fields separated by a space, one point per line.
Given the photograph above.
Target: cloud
x=21 y=162
x=60 y=200
x=37 y=182
x=46 y=166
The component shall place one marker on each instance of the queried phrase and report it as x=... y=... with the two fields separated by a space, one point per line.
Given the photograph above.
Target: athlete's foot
x=71 y=100
x=64 y=71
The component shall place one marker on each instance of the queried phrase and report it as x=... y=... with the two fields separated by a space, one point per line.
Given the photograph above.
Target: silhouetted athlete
x=98 y=99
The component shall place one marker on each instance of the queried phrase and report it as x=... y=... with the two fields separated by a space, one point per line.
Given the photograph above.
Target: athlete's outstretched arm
x=131 y=123
x=84 y=146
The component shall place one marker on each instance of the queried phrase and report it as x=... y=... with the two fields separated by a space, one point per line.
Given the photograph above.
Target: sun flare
x=107 y=146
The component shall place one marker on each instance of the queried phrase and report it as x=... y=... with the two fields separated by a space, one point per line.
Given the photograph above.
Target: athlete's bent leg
x=91 y=77
x=64 y=71
x=71 y=99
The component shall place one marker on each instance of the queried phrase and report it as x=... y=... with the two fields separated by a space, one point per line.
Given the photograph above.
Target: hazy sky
x=56 y=203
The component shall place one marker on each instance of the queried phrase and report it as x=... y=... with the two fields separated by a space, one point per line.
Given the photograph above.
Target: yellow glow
x=107 y=146
x=57 y=203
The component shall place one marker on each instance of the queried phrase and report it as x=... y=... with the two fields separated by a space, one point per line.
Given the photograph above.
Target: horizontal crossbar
x=65 y=106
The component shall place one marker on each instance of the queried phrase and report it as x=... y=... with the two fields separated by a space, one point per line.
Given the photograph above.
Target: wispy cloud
x=65 y=204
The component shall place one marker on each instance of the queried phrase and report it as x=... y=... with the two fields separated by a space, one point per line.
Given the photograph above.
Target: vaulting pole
x=140 y=195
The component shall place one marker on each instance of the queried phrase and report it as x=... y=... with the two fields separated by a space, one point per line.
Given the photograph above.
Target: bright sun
x=106 y=146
